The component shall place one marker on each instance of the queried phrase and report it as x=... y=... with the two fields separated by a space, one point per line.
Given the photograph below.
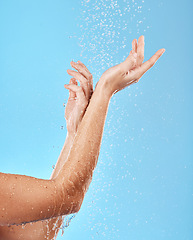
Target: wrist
x=104 y=89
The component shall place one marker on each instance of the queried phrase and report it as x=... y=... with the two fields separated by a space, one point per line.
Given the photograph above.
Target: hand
x=131 y=70
x=79 y=96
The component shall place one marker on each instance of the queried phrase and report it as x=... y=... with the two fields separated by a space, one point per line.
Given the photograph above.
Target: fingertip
x=71 y=80
x=66 y=86
x=163 y=50
x=141 y=39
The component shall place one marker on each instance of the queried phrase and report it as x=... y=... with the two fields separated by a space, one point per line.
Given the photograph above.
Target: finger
x=134 y=45
x=129 y=63
x=140 y=51
x=73 y=80
x=84 y=82
x=81 y=98
x=82 y=64
x=72 y=94
x=80 y=67
x=90 y=77
x=147 y=65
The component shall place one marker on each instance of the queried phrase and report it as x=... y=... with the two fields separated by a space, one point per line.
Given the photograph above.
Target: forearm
x=43 y=199
x=63 y=155
x=78 y=169
x=53 y=225
x=85 y=150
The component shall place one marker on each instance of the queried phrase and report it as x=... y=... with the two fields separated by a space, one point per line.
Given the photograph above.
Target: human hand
x=79 y=96
x=131 y=70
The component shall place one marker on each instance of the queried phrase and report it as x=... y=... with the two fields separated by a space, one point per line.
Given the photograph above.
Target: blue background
x=143 y=184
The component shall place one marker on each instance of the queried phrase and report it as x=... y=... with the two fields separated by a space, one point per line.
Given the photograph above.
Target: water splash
x=66 y=221
x=106 y=27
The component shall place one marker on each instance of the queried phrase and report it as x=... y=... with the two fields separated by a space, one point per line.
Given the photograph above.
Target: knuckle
x=141 y=57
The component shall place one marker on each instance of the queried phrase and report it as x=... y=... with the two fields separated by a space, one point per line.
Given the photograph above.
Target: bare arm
x=79 y=167
x=74 y=111
x=39 y=229
x=26 y=199
x=78 y=100
x=65 y=194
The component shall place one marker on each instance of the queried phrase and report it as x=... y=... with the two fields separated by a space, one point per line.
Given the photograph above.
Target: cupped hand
x=131 y=70
x=79 y=96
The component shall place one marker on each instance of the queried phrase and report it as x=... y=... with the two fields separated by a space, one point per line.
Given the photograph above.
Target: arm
x=79 y=97
x=71 y=184
x=38 y=230
x=74 y=111
x=98 y=108
x=79 y=167
x=77 y=103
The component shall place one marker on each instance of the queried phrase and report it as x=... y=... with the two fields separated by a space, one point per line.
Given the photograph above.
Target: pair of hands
x=113 y=80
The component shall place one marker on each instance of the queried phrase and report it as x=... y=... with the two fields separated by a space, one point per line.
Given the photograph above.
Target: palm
x=132 y=69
